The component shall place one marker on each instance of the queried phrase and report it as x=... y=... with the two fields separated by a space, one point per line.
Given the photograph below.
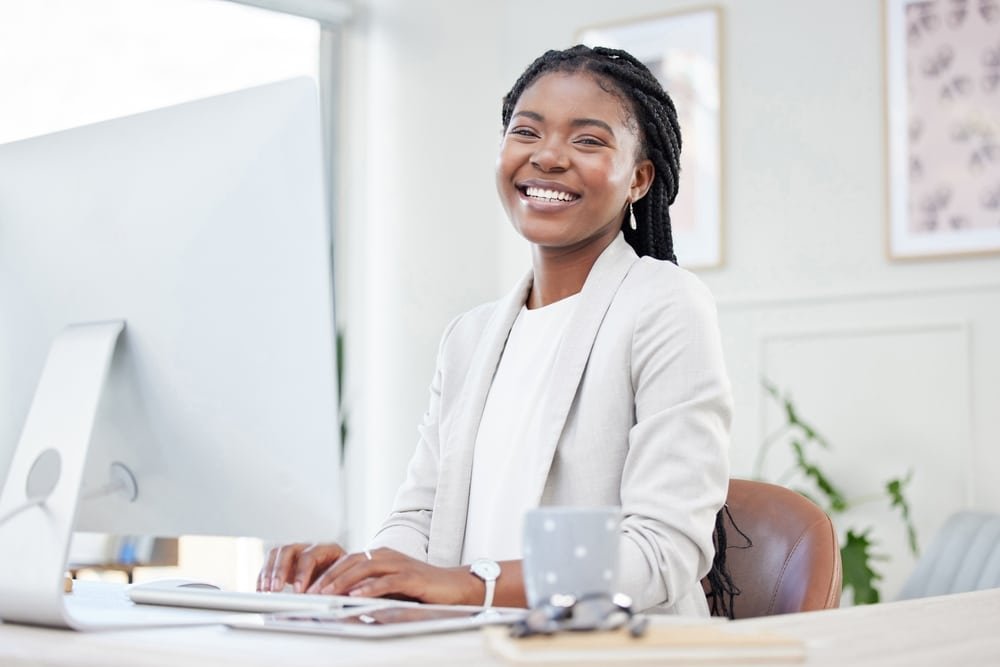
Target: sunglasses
x=599 y=611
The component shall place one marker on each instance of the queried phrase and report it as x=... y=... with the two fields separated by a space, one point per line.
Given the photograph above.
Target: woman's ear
x=642 y=179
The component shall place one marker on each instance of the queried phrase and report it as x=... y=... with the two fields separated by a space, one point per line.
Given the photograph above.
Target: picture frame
x=942 y=68
x=683 y=49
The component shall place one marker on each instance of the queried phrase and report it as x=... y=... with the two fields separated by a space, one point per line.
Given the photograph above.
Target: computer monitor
x=203 y=227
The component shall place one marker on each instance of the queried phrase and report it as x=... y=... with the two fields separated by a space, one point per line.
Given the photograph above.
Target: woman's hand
x=385 y=572
x=296 y=564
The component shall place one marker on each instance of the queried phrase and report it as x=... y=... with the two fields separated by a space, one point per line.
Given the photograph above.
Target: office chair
x=964 y=556
x=793 y=563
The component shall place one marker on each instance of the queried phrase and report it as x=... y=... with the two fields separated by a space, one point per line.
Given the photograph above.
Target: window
x=65 y=63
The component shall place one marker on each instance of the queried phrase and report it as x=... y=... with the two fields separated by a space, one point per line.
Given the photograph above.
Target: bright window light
x=65 y=63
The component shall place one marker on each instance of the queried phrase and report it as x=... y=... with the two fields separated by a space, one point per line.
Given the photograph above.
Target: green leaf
x=793 y=419
x=811 y=433
x=790 y=412
x=895 y=488
x=341 y=356
x=856 y=557
x=837 y=501
x=770 y=388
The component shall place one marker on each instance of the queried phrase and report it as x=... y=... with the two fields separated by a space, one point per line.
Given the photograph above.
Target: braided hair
x=655 y=119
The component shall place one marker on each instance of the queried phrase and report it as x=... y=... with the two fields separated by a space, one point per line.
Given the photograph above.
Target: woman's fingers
x=313 y=560
x=284 y=561
x=325 y=569
x=387 y=572
x=272 y=567
x=264 y=576
x=341 y=576
x=390 y=584
x=295 y=564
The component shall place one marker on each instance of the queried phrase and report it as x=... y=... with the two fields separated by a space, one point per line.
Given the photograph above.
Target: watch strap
x=491 y=587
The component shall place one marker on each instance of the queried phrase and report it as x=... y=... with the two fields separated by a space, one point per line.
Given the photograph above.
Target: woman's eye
x=523 y=132
x=590 y=141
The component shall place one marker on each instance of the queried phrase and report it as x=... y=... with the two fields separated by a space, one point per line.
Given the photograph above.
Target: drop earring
x=631 y=216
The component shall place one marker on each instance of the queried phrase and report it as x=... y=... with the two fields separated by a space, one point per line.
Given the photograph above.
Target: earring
x=631 y=216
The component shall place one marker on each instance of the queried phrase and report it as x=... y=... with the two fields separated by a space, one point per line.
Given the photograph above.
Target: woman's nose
x=549 y=156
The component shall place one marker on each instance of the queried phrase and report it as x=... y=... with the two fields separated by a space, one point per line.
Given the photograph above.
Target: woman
x=598 y=380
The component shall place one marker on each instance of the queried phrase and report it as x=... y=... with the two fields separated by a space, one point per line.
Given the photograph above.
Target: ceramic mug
x=570 y=550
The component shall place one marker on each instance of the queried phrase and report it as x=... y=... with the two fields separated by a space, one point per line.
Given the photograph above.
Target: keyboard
x=245 y=601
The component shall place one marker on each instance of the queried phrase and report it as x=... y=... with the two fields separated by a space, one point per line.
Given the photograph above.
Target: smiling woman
x=597 y=380
x=565 y=180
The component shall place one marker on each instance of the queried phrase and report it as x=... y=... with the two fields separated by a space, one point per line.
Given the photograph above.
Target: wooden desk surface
x=951 y=630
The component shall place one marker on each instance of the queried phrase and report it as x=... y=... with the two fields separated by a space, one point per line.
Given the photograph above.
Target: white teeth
x=556 y=195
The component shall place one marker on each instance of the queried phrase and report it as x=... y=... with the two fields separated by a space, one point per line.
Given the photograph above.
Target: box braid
x=653 y=116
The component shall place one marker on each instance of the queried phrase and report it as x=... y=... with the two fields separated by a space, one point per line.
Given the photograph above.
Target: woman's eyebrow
x=592 y=122
x=533 y=115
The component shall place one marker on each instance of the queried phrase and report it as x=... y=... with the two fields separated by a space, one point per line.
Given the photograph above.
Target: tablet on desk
x=376 y=622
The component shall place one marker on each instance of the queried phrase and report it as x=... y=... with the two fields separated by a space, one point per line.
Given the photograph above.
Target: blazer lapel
x=598 y=292
x=451 y=502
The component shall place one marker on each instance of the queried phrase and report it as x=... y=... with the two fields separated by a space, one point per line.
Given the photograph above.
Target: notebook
x=669 y=643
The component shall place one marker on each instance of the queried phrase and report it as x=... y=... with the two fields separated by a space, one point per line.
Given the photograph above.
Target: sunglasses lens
x=599 y=612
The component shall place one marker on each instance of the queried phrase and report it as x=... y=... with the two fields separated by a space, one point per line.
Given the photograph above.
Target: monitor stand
x=39 y=500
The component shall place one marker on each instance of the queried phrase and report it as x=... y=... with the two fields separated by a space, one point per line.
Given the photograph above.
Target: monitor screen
x=203 y=226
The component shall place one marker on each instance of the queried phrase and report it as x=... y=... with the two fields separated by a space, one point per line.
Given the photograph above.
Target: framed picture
x=943 y=127
x=683 y=51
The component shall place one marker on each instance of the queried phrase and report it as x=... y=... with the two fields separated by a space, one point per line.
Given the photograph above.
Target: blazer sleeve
x=407 y=528
x=676 y=472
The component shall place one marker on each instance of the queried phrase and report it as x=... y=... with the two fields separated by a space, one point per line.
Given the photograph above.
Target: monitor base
x=40 y=497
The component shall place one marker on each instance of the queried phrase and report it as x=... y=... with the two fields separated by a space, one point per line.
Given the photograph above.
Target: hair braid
x=656 y=123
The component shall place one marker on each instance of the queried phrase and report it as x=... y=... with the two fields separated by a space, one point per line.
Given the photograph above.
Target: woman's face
x=567 y=166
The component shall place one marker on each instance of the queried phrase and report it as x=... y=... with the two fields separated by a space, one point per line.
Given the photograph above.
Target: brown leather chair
x=794 y=561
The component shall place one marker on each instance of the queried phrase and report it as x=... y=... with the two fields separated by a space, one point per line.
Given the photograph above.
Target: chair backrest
x=794 y=562
x=964 y=556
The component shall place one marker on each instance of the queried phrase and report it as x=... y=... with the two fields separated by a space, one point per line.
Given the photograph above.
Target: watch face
x=485 y=569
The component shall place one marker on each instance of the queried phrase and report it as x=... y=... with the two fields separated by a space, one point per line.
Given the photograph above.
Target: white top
x=506 y=451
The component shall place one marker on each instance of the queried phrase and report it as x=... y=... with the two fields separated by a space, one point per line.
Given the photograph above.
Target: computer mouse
x=170 y=583
x=198 y=584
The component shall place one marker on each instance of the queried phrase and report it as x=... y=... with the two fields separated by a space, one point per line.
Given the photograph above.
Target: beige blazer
x=638 y=410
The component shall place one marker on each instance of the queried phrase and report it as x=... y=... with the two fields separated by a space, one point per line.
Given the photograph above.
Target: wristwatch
x=487 y=570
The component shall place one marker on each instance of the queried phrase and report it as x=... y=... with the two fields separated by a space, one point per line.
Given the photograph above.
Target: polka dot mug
x=570 y=551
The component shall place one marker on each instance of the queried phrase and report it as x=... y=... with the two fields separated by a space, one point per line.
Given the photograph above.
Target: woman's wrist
x=471 y=589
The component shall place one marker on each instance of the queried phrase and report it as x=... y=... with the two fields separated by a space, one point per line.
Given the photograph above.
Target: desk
x=961 y=630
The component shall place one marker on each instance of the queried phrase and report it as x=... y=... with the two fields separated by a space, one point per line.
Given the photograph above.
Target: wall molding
x=963 y=327
x=765 y=336
x=742 y=302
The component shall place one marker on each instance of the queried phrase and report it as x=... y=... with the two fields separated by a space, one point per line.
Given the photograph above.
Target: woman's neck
x=559 y=273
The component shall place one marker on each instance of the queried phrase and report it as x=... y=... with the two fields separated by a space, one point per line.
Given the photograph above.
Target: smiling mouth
x=547 y=195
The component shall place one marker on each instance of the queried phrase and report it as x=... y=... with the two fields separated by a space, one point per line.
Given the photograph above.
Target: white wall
x=892 y=361
x=416 y=244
